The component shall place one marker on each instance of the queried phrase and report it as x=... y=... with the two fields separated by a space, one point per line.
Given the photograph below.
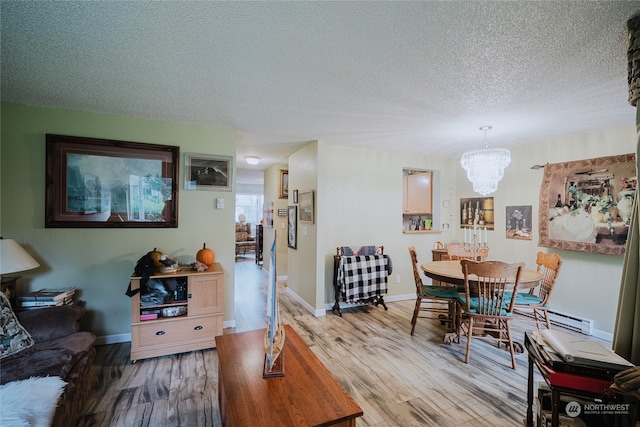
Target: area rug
x=31 y=402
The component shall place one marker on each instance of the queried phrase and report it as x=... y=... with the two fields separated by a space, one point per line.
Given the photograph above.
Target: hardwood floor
x=397 y=379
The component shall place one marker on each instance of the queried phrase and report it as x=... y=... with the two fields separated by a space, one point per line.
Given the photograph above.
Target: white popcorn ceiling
x=418 y=77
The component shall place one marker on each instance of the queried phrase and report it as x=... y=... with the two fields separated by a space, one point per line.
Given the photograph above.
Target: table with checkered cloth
x=363 y=277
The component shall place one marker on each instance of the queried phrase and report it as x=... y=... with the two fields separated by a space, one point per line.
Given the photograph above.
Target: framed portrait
x=305 y=201
x=479 y=209
x=207 y=172
x=292 y=227
x=585 y=205
x=518 y=222
x=284 y=184
x=100 y=183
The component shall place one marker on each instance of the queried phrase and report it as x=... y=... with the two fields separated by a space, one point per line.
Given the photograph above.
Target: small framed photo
x=295 y=196
x=292 y=227
x=306 y=207
x=518 y=222
x=207 y=172
x=284 y=184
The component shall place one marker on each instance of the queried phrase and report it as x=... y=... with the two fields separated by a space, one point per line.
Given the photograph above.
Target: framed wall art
x=292 y=227
x=518 y=222
x=284 y=184
x=100 y=183
x=268 y=215
x=207 y=172
x=479 y=209
x=305 y=201
x=585 y=205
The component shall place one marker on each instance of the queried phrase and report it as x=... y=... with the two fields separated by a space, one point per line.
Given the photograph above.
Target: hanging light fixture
x=252 y=160
x=485 y=167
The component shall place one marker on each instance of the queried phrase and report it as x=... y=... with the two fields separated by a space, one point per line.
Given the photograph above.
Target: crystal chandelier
x=485 y=167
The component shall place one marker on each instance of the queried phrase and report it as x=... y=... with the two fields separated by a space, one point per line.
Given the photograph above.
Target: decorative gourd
x=155 y=256
x=206 y=255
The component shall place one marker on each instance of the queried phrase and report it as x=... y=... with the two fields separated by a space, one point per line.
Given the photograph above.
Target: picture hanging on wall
x=268 y=215
x=479 y=209
x=518 y=222
x=586 y=205
x=207 y=172
x=292 y=223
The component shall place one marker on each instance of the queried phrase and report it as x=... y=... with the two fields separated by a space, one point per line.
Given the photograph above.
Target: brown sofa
x=60 y=349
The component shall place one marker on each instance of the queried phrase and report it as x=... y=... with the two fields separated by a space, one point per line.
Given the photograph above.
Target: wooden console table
x=308 y=394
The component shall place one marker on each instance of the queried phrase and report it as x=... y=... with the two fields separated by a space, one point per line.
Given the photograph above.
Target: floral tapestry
x=585 y=205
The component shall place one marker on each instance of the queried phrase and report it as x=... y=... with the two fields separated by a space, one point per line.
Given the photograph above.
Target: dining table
x=450 y=271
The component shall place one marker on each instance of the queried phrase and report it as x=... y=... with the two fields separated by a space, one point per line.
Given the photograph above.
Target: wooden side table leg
x=530 y=393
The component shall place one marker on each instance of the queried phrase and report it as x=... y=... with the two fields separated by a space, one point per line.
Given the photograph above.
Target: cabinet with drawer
x=176 y=312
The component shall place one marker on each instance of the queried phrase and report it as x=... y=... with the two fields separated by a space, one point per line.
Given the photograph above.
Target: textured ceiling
x=419 y=77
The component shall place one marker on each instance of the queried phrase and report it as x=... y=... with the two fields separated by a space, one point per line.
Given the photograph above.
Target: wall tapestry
x=585 y=205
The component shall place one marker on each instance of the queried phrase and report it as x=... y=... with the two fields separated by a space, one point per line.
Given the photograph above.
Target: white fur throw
x=31 y=402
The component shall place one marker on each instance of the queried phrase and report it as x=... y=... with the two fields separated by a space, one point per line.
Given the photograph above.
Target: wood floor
x=397 y=379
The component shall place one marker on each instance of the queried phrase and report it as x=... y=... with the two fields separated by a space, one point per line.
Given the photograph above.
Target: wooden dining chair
x=440 y=301
x=483 y=308
x=456 y=252
x=536 y=302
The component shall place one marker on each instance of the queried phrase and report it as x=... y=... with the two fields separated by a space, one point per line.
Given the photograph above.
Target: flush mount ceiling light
x=485 y=167
x=252 y=160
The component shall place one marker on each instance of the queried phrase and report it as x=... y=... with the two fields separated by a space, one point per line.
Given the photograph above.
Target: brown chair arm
x=46 y=324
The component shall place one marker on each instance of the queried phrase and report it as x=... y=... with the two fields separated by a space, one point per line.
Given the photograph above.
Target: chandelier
x=485 y=167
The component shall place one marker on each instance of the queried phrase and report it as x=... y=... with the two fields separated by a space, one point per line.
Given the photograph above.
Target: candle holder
x=474 y=244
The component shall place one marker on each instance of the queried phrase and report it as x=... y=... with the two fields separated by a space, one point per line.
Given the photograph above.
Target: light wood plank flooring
x=398 y=379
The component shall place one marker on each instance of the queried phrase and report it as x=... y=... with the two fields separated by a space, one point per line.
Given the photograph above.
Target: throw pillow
x=31 y=402
x=13 y=336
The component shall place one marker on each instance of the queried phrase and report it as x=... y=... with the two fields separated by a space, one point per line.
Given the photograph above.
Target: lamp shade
x=14 y=258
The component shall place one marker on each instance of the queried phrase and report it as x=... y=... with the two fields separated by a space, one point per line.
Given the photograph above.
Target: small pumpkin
x=155 y=256
x=206 y=255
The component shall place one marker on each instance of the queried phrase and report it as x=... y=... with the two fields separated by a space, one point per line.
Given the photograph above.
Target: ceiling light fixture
x=485 y=167
x=252 y=160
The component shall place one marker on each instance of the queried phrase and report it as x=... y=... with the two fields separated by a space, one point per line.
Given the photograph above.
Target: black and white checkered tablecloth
x=363 y=277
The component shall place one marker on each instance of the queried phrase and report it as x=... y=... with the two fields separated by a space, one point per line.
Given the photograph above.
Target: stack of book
x=46 y=298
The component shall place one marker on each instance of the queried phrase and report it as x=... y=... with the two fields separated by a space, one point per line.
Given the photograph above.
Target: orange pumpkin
x=206 y=255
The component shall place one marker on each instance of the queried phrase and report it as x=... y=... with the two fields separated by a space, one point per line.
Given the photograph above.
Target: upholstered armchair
x=244 y=241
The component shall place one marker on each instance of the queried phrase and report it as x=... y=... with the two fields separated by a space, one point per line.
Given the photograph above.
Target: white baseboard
x=113 y=339
x=229 y=324
x=295 y=296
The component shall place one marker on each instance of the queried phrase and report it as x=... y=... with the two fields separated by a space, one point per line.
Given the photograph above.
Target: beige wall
x=359 y=201
x=271 y=195
x=99 y=261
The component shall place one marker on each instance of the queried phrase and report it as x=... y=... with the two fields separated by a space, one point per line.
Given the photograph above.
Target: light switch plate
x=219 y=203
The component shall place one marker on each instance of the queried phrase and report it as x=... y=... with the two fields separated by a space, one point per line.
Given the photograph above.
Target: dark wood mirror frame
x=100 y=183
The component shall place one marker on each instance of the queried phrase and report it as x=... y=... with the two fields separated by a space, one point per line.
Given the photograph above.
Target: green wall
x=99 y=261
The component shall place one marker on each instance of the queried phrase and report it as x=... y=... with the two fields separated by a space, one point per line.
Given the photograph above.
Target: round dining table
x=451 y=272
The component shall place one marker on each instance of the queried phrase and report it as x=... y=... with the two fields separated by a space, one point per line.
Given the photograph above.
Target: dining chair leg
x=507 y=325
x=546 y=318
x=469 y=335
x=414 y=319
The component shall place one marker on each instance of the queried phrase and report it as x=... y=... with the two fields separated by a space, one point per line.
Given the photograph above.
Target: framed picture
x=100 y=183
x=295 y=196
x=292 y=227
x=268 y=215
x=306 y=207
x=479 y=209
x=585 y=205
x=284 y=184
x=518 y=222
x=207 y=172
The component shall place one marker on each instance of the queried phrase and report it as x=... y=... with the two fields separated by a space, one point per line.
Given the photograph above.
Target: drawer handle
x=197 y=328
x=160 y=333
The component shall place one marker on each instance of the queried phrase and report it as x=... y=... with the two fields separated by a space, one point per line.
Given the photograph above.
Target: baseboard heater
x=566 y=320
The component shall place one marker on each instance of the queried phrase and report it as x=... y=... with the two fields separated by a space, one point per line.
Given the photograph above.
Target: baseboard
x=310 y=309
x=229 y=324
x=113 y=339
x=387 y=298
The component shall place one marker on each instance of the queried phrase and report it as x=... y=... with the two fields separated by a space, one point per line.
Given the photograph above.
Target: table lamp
x=13 y=258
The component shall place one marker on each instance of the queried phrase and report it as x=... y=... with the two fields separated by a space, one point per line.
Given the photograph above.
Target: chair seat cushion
x=523 y=298
x=440 y=291
x=473 y=306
